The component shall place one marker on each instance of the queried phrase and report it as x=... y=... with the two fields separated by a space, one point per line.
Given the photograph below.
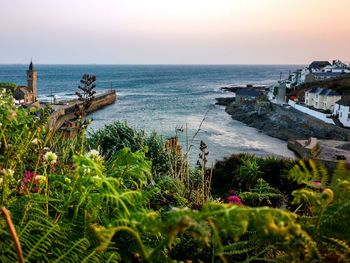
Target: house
x=247 y=94
x=320 y=98
x=318 y=65
x=340 y=64
x=27 y=94
x=342 y=111
x=304 y=72
x=334 y=69
x=320 y=76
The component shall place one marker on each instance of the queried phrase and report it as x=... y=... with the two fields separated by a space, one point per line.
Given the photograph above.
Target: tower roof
x=31 y=66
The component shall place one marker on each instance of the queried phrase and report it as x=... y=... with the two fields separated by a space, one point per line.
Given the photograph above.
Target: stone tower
x=32 y=77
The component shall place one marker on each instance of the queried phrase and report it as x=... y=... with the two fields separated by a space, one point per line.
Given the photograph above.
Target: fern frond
x=341 y=244
x=78 y=247
x=40 y=246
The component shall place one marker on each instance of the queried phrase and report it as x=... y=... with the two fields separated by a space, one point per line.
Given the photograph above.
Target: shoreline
x=279 y=122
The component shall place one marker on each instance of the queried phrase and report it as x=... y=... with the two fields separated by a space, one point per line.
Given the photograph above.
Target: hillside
x=341 y=85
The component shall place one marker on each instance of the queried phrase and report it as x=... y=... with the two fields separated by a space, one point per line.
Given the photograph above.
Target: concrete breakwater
x=66 y=111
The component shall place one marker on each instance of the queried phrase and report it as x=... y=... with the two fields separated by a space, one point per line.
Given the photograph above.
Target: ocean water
x=162 y=98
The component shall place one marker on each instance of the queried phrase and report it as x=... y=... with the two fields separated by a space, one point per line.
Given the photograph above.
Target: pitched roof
x=23 y=89
x=322 y=91
x=313 y=90
x=247 y=92
x=319 y=64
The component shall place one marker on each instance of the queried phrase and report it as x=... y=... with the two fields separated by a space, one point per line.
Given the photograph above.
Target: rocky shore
x=284 y=123
x=235 y=88
x=225 y=101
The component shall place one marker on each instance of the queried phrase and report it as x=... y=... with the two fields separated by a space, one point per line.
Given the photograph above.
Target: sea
x=168 y=99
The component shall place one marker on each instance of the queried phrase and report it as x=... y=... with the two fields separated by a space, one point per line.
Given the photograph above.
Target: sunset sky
x=174 y=31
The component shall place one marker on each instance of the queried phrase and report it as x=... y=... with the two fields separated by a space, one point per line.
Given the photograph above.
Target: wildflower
x=233 y=199
x=35 y=141
x=29 y=177
x=316 y=183
x=93 y=154
x=86 y=170
x=50 y=157
x=41 y=179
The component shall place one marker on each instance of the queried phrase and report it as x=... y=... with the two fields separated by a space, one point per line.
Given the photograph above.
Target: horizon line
x=159 y=64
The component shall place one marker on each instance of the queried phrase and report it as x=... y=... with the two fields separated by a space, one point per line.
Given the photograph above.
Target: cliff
x=284 y=123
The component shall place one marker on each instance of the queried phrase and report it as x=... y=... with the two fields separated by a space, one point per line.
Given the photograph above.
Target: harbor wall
x=319 y=115
x=67 y=111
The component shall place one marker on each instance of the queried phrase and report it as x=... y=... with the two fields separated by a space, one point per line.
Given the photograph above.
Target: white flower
x=87 y=170
x=35 y=141
x=93 y=154
x=10 y=172
x=50 y=157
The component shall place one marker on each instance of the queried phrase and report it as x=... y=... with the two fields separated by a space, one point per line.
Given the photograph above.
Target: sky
x=174 y=31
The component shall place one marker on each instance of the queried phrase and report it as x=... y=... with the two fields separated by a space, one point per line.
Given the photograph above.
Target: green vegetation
x=8 y=85
x=124 y=196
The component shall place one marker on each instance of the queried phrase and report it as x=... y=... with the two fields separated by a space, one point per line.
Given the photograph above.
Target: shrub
x=118 y=135
x=240 y=172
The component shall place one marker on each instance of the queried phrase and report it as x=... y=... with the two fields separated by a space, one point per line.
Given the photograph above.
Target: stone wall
x=66 y=113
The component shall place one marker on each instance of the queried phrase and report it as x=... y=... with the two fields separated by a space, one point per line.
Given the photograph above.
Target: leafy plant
x=324 y=206
x=249 y=171
x=116 y=136
x=262 y=194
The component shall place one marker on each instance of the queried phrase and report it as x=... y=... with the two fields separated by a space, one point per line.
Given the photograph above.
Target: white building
x=317 y=66
x=342 y=111
x=303 y=74
x=320 y=98
x=334 y=69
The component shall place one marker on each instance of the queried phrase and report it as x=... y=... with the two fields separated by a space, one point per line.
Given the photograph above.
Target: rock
x=225 y=101
x=282 y=123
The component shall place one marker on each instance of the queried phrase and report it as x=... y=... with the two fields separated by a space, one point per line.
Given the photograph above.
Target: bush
x=240 y=173
x=116 y=136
